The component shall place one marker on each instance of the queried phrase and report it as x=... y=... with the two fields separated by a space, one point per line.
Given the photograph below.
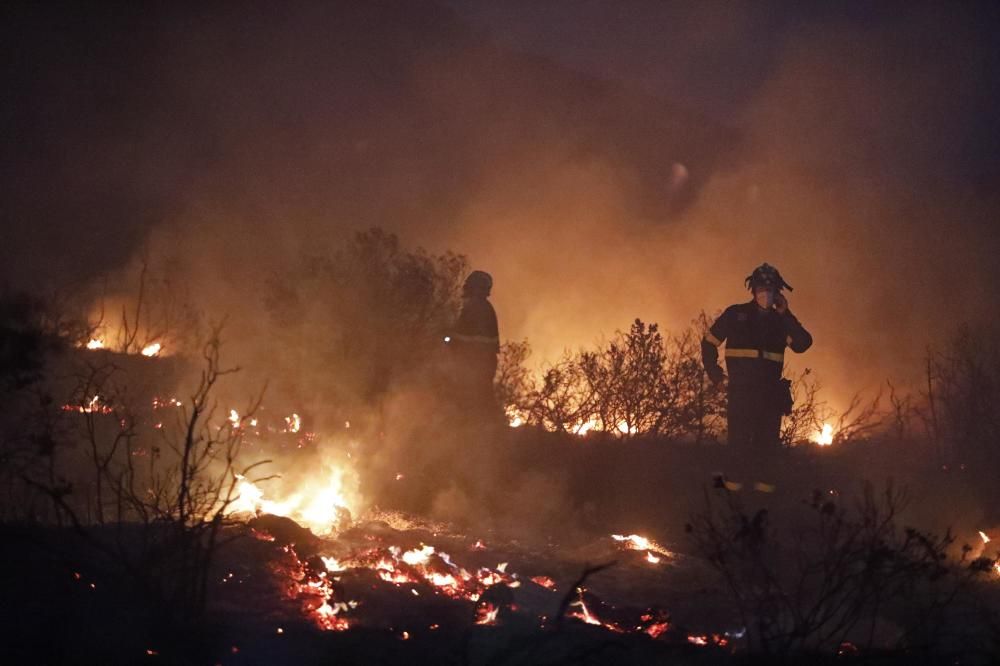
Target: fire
x=152 y=349
x=595 y=425
x=293 y=423
x=824 y=437
x=91 y=406
x=586 y=615
x=486 y=613
x=95 y=343
x=515 y=417
x=544 y=581
x=706 y=640
x=418 y=556
x=982 y=535
x=234 y=418
x=322 y=508
x=637 y=542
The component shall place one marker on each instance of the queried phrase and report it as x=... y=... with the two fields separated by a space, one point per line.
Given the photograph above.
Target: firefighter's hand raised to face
x=780 y=303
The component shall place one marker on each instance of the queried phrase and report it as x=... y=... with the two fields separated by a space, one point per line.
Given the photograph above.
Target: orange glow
x=152 y=349
x=825 y=436
x=95 y=343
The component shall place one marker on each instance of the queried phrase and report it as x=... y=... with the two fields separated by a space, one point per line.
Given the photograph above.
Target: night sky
x=853 y=144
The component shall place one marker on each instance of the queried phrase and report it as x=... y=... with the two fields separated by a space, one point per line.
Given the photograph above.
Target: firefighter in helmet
x=756 y=335
x=475 y=344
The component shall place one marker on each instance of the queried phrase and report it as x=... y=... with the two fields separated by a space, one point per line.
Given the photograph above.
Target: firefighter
x=756 y=334
x=475 y=344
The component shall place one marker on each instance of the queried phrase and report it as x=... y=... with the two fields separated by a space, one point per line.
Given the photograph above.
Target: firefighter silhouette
x=474 y=342
x=755 y=335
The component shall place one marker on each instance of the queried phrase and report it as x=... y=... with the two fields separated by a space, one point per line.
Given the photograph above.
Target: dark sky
x=715 y=57
x=605 y=160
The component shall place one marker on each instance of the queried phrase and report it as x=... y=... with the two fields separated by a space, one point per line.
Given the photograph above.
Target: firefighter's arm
x=798 y=338
x=714 y=337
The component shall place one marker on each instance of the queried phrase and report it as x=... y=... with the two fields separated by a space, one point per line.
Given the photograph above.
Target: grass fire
x=425 y=332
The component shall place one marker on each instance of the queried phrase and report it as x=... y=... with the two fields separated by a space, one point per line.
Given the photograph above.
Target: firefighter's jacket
x=475 y=337
x=755 y=342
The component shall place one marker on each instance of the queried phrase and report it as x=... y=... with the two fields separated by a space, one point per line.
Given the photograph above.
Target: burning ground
x=520 y=546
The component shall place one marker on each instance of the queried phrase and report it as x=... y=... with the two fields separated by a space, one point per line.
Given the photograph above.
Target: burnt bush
x=839 y=577
x=352 y=324
x=640 y=382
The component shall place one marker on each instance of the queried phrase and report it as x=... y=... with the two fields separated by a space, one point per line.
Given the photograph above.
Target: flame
x=293 y=423
x=586 y=615
x=419 y=555
x=91 y=406
x=322 y=509
x=624 y=428
x=637 y=542
x=95 y=343
x=234 y=418
x=152 y=349
x=515 y=417
x=982 y=535
x=824 y=437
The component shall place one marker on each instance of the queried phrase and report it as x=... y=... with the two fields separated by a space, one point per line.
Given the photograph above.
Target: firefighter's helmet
x=767 y=275
x=478 y=282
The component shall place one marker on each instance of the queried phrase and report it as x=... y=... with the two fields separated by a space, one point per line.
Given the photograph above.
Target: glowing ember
x=718 y=640
x=95 y=343
x=637 y=542
x=586 y=615
x=293 y=423
x=486 y=613
x=234 y=418
x=825 y=436
x=655 y=624
x=152 y=349
x=982 y=535
x=545 y=582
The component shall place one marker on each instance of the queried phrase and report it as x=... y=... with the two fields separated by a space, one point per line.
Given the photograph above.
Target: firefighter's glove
x=780 y=303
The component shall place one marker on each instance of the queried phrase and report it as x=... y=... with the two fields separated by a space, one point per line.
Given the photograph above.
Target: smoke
x=852 y=152
x=857 y=174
